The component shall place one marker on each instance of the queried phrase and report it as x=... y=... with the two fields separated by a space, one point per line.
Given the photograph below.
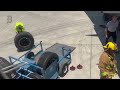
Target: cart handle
x=10 y=58
x=63 y=50
x=23 y=62
x=14 y=68
x=26 y=53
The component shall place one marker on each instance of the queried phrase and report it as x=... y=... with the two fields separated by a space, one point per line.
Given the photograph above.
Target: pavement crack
x=91 y=54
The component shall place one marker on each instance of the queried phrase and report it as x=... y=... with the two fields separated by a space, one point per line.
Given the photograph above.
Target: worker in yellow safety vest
x=107 y=63
x=19 y=27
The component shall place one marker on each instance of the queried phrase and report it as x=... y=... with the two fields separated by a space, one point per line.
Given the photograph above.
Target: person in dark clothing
x=111 y=29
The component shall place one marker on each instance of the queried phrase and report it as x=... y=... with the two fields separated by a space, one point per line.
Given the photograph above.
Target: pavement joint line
x=79 y=48
x=90 y=54
x=6 y=43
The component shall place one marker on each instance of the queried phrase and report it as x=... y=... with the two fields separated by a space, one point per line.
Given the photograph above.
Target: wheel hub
x=24 y=41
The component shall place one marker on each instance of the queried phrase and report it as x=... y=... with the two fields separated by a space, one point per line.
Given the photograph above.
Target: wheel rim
x=24 y=42
x=65 y=69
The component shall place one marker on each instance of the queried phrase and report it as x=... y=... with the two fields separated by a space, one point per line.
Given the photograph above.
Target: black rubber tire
x=29 y=55
x=46 y=59
x=4 y=63
x=35 y=76
x=22 y=37
x=65 y=67
x=3 y=76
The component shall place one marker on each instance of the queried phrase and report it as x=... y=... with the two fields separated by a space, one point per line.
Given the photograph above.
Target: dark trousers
x=113 y=34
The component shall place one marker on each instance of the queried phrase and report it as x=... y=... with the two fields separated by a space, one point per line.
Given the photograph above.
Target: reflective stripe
x=115 y=66
x=104 y=73
x=111 y=58
x=108 y=67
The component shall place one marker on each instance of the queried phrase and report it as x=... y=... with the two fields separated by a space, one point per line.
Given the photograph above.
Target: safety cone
x=72 y=68
x=79 y=66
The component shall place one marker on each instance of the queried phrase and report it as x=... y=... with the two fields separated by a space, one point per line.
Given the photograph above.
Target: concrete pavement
x=66 y=27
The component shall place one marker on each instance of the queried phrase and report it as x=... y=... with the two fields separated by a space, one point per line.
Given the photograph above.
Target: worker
x=111 y=29
x=19 y=27
x=107 y=63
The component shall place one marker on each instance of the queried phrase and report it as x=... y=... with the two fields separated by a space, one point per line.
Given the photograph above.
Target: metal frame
x=69 y=53
x=23 y=62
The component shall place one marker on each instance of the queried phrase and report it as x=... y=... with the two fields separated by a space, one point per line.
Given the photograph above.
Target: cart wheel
x=24 y=41
x=29 y=55
x=35 y=76
x=46 y=59
x=64 y=70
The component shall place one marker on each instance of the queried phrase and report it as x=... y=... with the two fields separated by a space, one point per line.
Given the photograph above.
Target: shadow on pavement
x=92 y=35
x=96 y=18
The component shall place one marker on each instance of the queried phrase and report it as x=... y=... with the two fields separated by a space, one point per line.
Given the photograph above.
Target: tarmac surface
x=79 y=29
